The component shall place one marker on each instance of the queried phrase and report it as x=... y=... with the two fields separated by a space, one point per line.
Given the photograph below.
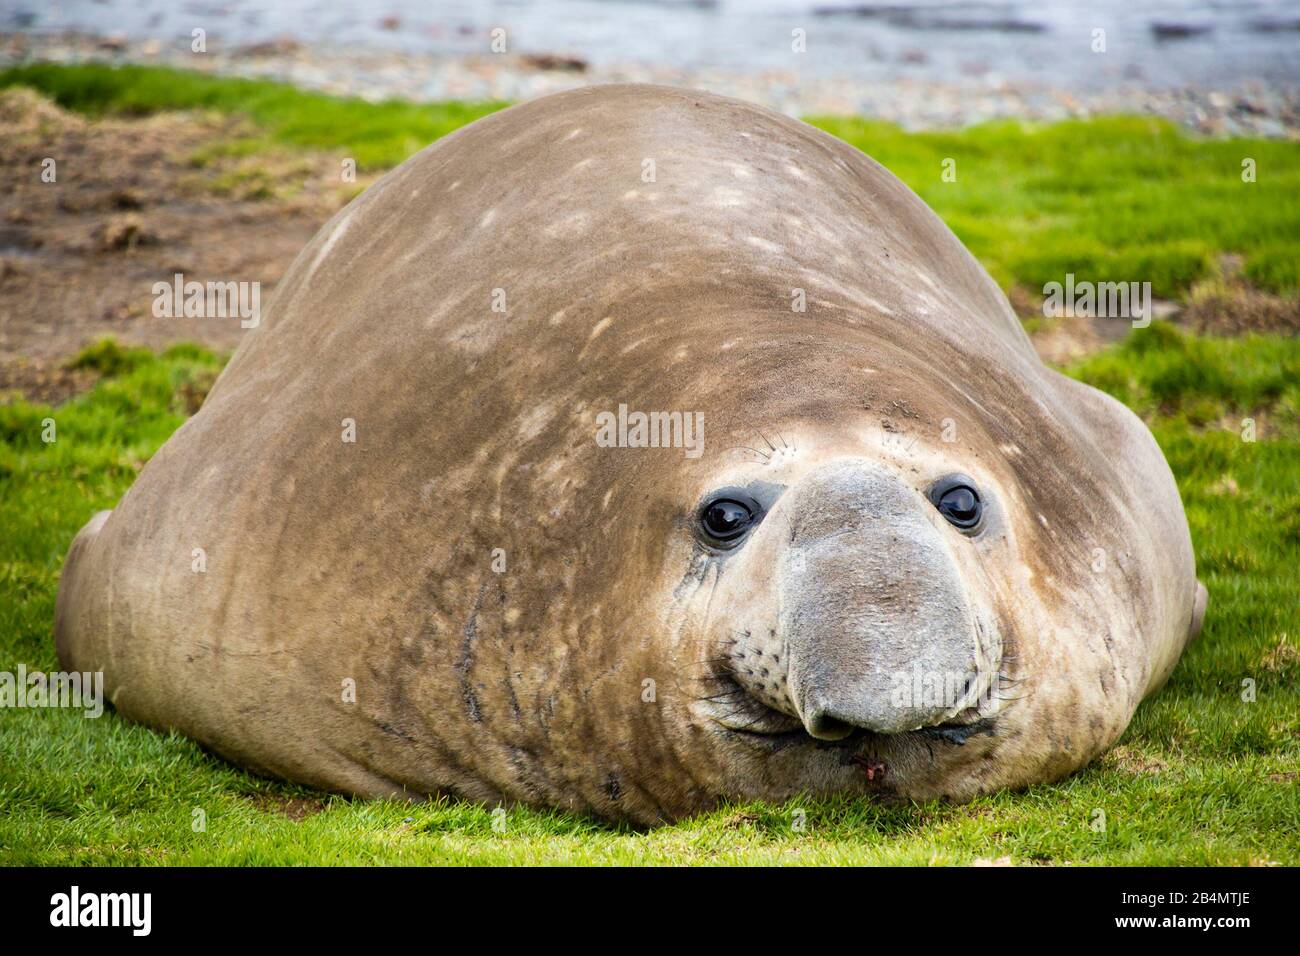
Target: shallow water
x=1154 y=43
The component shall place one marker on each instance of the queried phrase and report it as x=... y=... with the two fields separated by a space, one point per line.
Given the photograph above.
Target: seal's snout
x=871 y=595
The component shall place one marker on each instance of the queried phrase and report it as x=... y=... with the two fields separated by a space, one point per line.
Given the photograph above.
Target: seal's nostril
x=824 y=727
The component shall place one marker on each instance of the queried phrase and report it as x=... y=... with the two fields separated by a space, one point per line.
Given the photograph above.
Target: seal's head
x=853 y=621
x=846 y=582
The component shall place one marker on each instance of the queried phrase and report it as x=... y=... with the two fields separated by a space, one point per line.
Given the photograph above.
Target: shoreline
x=1251 y=108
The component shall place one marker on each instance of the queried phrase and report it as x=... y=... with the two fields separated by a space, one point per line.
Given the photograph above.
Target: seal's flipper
x=1198 y=611
x=66 y=608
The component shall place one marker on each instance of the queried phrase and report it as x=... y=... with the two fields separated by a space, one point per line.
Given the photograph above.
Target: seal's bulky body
x=876 y=571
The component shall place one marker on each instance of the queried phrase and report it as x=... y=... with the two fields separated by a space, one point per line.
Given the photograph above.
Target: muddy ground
x=135 y=201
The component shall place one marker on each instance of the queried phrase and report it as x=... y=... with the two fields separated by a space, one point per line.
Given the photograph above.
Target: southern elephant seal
x=420 y=538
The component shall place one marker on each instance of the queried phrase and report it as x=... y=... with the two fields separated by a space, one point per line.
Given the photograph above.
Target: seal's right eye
x=726 y=519
x=959 y=502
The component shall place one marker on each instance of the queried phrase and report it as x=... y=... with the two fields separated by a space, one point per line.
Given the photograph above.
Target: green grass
x=376 y=135
x=1193 y=782
x=1110 y=199
x=1200 y=381
x=1200 y=777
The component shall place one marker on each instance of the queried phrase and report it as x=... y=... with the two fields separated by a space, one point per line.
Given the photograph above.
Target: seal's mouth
x=867 y=751
x=768 y=722
x=759 y=722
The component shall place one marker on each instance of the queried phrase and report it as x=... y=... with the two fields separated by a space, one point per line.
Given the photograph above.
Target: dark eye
x=726 y=519
x=959 y=502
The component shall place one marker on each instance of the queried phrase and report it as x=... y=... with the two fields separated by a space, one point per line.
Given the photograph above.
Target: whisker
x=722 y=696
x=751 y=723
x=730 y=715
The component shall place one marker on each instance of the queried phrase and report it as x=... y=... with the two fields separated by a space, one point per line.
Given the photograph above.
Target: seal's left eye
x=959 y=502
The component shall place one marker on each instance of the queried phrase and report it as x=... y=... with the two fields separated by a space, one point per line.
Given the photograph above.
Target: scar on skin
x=764 y=244
x=722 y=196
x=334 y=237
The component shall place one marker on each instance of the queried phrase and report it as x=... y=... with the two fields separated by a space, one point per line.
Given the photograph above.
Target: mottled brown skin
x=373 y=561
